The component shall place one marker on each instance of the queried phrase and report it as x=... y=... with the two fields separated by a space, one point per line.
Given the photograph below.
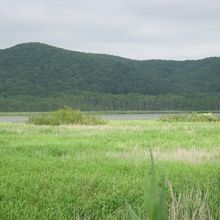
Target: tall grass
x=155 y=202
x=80 y=172
x=66 y=116
x=190 y=206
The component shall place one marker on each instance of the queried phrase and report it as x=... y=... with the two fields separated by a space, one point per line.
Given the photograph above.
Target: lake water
x=20 y=119
x=131 y=116
x=13 y=119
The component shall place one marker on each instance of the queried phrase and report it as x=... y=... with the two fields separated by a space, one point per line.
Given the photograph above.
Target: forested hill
x=41 y=71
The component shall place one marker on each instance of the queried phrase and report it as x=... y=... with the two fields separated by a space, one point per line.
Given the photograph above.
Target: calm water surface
x=15 y=119
x=131 y=116
x=20 y=119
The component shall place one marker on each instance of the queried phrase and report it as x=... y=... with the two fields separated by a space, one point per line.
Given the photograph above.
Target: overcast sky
x=139 y=29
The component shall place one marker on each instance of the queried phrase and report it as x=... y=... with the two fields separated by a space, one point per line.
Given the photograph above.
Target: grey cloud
x=140 y=29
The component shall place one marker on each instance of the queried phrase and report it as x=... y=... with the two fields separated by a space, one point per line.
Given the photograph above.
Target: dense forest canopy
x=39 y=77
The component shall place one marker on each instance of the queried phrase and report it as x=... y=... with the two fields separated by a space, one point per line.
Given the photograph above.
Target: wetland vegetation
x=93 y=171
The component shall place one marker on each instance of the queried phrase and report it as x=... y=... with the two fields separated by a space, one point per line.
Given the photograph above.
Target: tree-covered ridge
x=40 y=70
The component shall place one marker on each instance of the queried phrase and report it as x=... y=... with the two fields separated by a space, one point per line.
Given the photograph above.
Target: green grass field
x=90 y=172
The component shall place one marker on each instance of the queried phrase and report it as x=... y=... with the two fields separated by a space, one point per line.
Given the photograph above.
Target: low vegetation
x=91 y=172
x=194 y=117
x=66 y=116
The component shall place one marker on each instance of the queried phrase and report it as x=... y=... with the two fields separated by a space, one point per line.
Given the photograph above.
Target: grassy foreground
x=90 y=172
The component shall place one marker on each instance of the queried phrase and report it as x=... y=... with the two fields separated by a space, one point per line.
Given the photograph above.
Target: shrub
x=194 y=117
x=66 y=116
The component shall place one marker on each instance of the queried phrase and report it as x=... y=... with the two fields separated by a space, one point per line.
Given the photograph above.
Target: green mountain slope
x=40 y=70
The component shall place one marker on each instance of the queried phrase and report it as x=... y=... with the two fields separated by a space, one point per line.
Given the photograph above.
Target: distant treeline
x=107 y=102
x=39 y=77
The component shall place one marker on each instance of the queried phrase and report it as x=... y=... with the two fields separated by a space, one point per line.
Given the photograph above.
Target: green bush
x=65 y=116
x=194 y=117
